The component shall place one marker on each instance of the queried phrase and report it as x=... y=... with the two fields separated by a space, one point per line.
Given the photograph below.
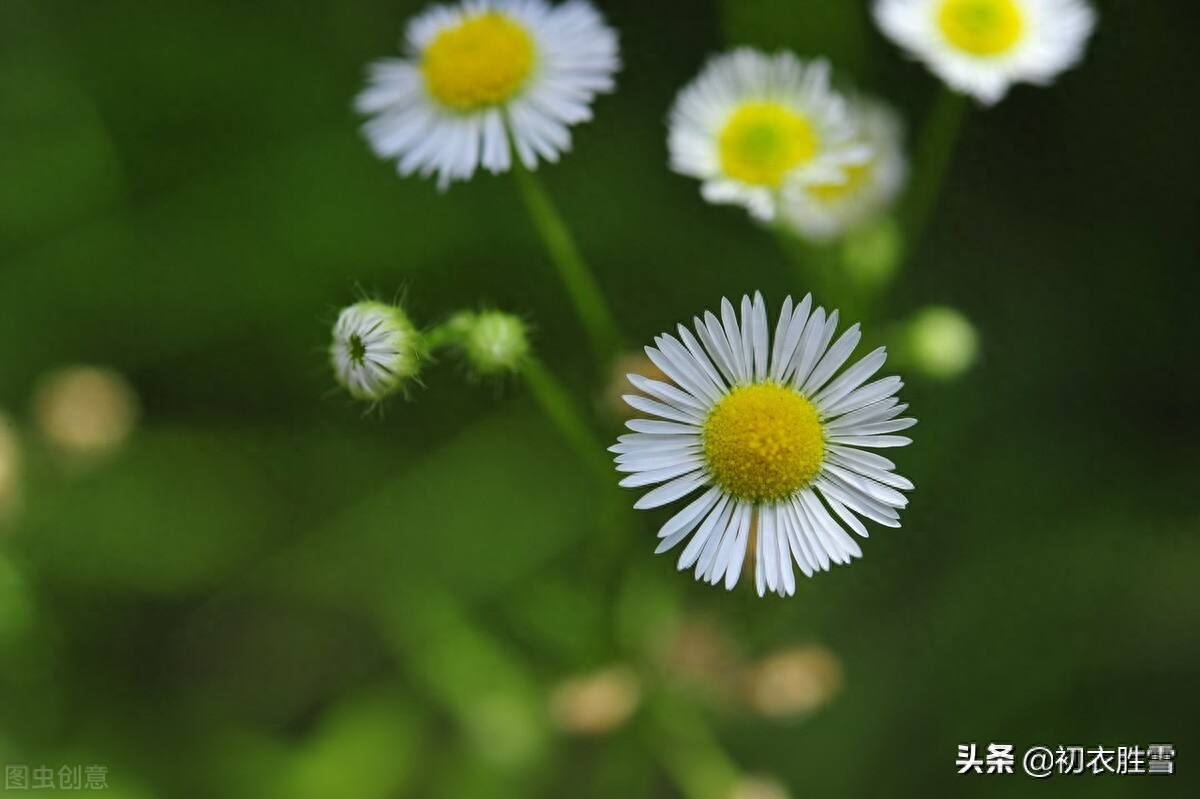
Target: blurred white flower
x=827 y=210
x=982 y=47
x=771 y=437
x=375 y=350
x=484 y=77
x=754 y=127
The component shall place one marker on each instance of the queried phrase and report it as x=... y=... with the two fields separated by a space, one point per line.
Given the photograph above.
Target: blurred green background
x=265 y=593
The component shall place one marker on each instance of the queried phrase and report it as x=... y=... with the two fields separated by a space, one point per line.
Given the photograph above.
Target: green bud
x=872 y=254
x=941 y=342
x=493 y=341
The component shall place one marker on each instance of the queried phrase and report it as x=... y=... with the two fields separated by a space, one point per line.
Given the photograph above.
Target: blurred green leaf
x=173 y=513
x=473 y=517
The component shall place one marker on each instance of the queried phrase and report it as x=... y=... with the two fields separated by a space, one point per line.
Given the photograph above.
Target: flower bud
x=596 y=703
x=376 y=350
x=794 y=681
x=85 y=411
x=493 y=341
x=941 y=342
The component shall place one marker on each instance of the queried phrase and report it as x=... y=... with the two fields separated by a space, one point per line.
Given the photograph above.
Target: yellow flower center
x=763 y=141
x=482 y=61
x=856 y=178
x=982 y=27
x=763 y=442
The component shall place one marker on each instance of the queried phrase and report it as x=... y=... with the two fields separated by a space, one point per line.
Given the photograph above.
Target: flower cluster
x=772 y=425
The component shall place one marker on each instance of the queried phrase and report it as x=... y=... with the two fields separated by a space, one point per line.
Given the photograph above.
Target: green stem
x=935 y=150
x=690 y=753
x=441 y=336
x=581 y=285
x=565 y=414
x=819 y=270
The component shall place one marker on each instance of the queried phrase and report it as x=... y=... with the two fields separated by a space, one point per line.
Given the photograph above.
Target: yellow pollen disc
x=763 y=141
x=482 y=61
x=856 y=178
x=763 y=442
x=982 y=27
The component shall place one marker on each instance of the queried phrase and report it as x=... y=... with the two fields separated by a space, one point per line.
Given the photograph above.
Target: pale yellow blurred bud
x=793 y=682
x=700 y=655
x=758 y=788
x=941 y=342
x=618 y=384
x=597 y=703
x=10 y=470
x=85 y=411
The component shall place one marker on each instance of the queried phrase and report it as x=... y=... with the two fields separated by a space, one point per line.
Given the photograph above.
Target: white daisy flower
x=982 y=47
x=375 y=350
x=827 y=210
x=484 y=77
x=753 y=126
x=772 y=439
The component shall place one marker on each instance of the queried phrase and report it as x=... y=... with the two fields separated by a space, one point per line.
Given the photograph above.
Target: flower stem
x=935 y=150
x=690 y=753
x=581 y=284
x=565 y=414
x=819 y=269
x=441 y=336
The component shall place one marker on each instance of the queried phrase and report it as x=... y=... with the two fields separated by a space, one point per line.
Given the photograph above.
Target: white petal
x=679 y=487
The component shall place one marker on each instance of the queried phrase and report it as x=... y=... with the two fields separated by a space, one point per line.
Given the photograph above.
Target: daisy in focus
x=483 y=78
x=753 y=127
x=827 y=210
x=375 y=351
x=982 y=47
x=773 y=438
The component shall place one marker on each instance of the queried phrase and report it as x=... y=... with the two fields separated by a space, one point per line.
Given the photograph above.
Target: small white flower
x=753 y=126
x=982 y=47
x=484 y=77
x=375 y=350
x=771 y=437
x=827 y=210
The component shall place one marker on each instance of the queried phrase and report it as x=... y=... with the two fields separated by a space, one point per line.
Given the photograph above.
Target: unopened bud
x=794 y=682
x=375 y=351
x=85 y=411
x=941 y=342
x=595 y=703
x=494 y=342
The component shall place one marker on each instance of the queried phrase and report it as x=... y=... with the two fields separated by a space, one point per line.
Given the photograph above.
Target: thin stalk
x=441 y=336
x=690 y=753
x=819 y=269
x=566 y=415
x=580 y=283
x=935 y=151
